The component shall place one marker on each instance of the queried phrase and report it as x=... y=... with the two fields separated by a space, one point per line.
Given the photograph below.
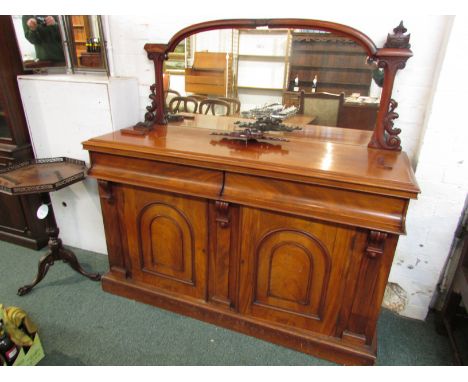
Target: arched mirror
x=291 y=71
x=308 y=72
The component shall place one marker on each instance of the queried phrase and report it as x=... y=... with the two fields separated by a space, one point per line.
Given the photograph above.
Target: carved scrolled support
x=392 y=138
x=392 y=57
x=222 y=213
x=375 y=244
x=155 y=112
x=150 y=114
x=157 y=94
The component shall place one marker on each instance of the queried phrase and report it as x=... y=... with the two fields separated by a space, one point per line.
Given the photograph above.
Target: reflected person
x=43 y=32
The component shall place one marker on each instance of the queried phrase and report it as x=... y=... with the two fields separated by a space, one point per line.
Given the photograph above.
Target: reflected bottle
x=296 y=83
x=8 y=350
x=314 y=84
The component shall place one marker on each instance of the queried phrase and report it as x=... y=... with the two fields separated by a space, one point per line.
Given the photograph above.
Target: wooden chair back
x=233 y=103
x=184 y=104
x=208 y=105
x=169 y=95
x=198 y=97
x=324 y=106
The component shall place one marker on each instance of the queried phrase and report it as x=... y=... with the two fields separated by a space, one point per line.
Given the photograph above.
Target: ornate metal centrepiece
x=274 y=110
x=256 y=130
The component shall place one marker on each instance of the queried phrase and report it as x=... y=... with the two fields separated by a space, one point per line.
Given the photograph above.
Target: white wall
x=442 y=172
x=426 y=118
x=62 y=111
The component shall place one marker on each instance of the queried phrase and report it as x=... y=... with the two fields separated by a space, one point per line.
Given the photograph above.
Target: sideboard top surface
x=316 y=153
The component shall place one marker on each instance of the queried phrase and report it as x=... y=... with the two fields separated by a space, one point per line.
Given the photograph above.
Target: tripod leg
x=70 y=258
x=44 y=264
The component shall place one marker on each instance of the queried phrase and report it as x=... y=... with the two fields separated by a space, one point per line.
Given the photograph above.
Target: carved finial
x=400 y=29
x=398 y=39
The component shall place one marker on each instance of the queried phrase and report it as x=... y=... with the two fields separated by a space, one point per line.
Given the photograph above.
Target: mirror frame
x=392 y=57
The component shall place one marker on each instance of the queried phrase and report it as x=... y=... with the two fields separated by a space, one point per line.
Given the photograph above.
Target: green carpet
x=82 y=325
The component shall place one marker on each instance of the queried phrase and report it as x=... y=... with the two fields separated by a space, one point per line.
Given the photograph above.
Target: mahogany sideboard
x=291 y=242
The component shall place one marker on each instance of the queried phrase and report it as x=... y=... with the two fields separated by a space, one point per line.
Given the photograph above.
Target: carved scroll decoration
x=150 y=114
x=375 y=244
x=392 y=139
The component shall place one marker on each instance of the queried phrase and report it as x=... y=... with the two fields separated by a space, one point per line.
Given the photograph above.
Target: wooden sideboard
x=291 y=242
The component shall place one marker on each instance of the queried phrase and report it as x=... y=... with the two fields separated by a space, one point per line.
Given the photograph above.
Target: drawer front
x=342 y=206
x=167 y=240
x=170 y=177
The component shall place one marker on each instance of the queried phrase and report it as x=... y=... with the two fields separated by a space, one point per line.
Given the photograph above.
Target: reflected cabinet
x=288 y=237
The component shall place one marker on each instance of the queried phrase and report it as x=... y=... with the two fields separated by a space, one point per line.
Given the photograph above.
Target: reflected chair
x=216 y=106
x=169 y=95
x=325 y=107
x=198 y=97
x=233 y=103
x=183 y=104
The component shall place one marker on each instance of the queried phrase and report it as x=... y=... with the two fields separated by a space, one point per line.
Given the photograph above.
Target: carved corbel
x=375 y=244
x=106 y=193
x=222 y=213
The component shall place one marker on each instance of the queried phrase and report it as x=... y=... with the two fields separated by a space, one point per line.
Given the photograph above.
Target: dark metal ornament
x=253 y=131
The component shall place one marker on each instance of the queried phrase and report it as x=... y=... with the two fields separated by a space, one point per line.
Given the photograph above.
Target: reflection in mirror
x=40 y=41
x=86 y=42
x=4 y=130
x=324 y=77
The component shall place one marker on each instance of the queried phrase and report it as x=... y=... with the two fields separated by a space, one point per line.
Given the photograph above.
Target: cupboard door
x=292 y=269
x=167 y=240
x=12 y=217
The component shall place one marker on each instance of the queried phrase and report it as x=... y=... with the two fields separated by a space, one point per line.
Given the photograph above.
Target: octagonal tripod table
x=41 y=176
